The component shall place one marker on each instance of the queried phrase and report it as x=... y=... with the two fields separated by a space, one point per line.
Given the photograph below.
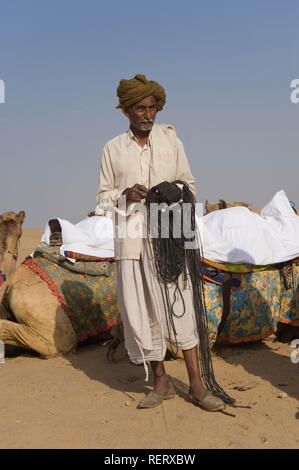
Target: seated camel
x=28 y=300
x=285 y=332
x=37 y=315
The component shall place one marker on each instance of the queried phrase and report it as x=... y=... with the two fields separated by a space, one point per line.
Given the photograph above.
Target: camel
x=285 y=332
x=32 y=317
x=221 y=204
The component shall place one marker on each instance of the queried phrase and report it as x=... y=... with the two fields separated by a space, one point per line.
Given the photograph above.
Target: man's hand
x=136 y=193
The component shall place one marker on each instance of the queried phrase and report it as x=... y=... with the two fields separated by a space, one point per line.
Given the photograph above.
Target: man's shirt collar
x=131 y=137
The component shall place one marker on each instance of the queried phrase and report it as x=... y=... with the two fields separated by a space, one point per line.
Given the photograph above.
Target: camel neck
x=10 y=255
x=12 y=242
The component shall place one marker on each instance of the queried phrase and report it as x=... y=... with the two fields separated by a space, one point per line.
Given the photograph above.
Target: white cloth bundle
x=92 y=236
x=237 y=235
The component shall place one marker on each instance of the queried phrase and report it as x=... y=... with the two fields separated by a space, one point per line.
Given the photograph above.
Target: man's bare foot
x=198 y=391
x=162 y=385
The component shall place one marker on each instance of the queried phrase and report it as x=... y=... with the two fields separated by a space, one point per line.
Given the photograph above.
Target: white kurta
x=124 y=163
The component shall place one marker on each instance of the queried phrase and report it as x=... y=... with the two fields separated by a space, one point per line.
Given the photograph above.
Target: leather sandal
x=209 y=403
x=154 y=399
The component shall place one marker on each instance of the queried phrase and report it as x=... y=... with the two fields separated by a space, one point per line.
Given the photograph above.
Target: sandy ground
x=82 y=401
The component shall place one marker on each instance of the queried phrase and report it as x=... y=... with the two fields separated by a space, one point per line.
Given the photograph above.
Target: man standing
x=133 y=162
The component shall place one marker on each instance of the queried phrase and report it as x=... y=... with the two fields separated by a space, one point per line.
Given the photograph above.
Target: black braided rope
x=172 y=259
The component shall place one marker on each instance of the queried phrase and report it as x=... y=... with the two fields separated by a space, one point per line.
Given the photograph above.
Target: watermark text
x=294 y=96
x=2 y=92
x=2 y=352
x=295 y=354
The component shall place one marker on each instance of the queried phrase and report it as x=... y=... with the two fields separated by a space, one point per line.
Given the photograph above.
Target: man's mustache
x=148 y=121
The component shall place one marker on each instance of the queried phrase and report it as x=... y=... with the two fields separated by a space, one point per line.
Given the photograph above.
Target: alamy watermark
x=2 y=352
x=294 y=96
x=295 y=354
x=2 y=92
x=177 y=220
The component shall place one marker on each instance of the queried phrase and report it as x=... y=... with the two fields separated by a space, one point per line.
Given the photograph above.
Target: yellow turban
x=132 y=91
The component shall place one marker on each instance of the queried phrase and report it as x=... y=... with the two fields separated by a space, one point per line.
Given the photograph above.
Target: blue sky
x=226 y=67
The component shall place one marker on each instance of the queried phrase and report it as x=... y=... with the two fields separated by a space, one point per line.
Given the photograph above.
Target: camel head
x=10 y=227
x=10 y=233
x=12 y=217
x=12 y=223
x=212 y=206
x=221 y=204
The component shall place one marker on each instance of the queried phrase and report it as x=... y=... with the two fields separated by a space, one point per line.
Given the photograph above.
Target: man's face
x=142 y=114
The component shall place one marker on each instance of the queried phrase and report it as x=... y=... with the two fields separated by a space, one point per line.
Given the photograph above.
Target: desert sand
x=82 y=401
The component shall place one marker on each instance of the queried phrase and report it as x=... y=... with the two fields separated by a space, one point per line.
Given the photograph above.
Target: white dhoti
x=144 y=312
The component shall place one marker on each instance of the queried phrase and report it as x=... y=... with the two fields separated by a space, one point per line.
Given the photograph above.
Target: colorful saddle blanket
x=89 y=300
x=262 y=299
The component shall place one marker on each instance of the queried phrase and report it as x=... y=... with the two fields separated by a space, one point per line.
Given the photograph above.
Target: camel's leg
x=42 y=324
x=23 y=336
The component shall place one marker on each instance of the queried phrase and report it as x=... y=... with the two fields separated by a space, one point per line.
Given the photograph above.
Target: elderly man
x=133 y=162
